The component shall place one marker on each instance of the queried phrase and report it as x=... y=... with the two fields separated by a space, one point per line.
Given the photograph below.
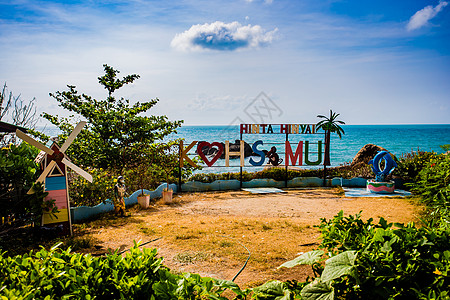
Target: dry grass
x=200 y=238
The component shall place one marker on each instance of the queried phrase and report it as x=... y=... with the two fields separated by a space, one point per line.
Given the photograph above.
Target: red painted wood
x=60 y=196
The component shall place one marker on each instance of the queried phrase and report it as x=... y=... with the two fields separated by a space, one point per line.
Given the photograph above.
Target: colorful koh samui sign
x=294 y=154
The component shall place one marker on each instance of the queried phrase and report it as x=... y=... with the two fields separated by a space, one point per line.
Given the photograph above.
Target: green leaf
x=307 y=258
x=227 y=284
x=273 y=290
x=339 y=265
x=318 y=290
x=379 y=235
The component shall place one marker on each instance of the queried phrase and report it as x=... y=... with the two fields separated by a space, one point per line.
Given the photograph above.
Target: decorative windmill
x=54 y=161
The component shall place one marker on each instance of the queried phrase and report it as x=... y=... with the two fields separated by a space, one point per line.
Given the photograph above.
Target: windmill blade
x=72 y=136
x=77 y=169
x=33 y=142
x=44 y=174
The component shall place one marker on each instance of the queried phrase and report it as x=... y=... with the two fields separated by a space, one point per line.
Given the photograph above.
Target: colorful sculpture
x=53 y=162
x=382 y=165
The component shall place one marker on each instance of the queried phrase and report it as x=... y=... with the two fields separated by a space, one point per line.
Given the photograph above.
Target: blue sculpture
x=389 y=165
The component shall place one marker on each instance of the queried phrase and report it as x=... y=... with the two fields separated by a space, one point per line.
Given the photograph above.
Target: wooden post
x=180 y=145
x=326 y=161
x=286 y=165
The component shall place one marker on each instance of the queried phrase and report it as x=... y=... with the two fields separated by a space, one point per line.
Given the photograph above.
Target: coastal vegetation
x=356 y=258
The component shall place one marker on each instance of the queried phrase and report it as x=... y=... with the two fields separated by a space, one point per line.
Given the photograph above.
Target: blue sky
x=374 y=62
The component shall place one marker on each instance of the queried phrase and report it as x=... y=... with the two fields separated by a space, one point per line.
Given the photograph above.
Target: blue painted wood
x=55 y=183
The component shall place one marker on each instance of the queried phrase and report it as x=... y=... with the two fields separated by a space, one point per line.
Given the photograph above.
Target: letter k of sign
x=184 y=152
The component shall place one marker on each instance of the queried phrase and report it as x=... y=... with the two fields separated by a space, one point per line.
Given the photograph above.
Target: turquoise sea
x=398 y=139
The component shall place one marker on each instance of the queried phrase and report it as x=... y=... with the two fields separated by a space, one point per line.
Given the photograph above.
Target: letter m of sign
x=298 y=154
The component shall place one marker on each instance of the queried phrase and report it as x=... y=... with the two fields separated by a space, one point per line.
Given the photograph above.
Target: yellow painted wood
x=62 y=215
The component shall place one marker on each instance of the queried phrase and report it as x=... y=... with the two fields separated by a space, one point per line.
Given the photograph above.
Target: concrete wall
x=83 y=213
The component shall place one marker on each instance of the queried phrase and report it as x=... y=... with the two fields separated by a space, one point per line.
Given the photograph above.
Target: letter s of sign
x=258 y=152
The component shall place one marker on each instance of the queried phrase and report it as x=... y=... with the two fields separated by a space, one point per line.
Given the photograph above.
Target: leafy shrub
x=17 y=176
x=378 y=261
x=193 y=286
x=433 y=185
x=211 y=177
x=278 y=174
x=149 y=174
x=59 y=274
x=410 y=164
x=83 y=192
x=348 y=170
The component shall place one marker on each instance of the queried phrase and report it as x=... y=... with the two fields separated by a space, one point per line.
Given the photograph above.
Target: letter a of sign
x=184 y=152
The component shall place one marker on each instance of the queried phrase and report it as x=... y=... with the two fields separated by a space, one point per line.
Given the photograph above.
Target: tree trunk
x=326 y=160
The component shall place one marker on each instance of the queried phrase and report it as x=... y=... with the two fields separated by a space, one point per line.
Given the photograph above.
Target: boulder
x=234 y=147
x=366 y=153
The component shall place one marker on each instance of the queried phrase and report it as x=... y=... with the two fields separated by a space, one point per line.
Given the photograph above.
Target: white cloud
x=421 y=17
x=223 y=37
x=204 y=102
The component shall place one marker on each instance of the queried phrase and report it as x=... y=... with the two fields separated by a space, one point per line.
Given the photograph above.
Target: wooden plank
x=60 y=197
x=63 y=216
x=55 y=183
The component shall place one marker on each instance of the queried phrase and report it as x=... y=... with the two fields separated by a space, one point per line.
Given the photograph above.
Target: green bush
x=378 y=261
x=278 y=174
x=17 y=176
x=433 y=185
x=84 y=193
x=347 y=171
x=410 y=164
x=60 y=274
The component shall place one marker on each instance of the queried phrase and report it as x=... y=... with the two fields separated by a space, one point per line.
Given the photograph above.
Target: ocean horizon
x=397 y=139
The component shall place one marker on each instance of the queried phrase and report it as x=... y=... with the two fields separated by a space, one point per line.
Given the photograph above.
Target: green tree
x=115 y=127
x=330 y=124
x=17 y=175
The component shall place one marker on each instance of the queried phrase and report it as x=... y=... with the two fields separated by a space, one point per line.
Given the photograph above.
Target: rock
x=366 y=153
x=234 y=147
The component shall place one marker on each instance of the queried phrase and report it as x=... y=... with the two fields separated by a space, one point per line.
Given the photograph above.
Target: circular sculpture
x=382 y=165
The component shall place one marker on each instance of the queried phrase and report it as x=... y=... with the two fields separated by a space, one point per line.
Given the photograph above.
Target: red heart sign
x=202 y=155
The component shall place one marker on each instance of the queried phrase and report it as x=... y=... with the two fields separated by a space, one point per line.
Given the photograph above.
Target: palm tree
x=329 y=124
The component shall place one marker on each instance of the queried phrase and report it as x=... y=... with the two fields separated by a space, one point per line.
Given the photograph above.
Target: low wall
x=83 y=213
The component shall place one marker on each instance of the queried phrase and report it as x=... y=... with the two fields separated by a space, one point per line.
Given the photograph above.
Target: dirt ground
x=212 y=233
